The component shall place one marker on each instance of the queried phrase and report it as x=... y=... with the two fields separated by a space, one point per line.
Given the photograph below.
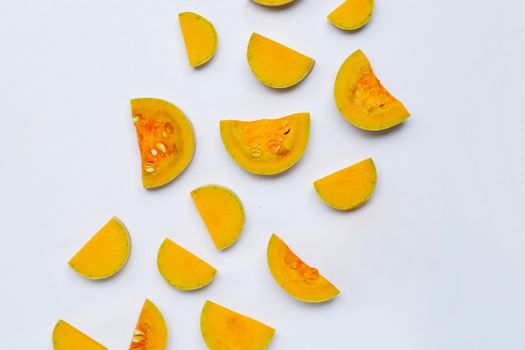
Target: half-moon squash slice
x=200 y=38
x=67 y=337
x=352 y=14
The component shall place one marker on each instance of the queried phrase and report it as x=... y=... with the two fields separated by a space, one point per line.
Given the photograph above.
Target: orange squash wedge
x=67 y=337
x=150 y=332
x=301 y=281
x=267 y=146
x=224 y=329
x=352 y=14
x=200 y=38
x=105 y=253
x=276 y=65
x=361 y=98
x=273 y=3
x=182 y=269
x=222 y=213
x=348 y=188
x=165 y=138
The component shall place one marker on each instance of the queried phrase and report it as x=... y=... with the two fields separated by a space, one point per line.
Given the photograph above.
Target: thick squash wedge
x=182 y=269
x=105 y=253
x=222 y=213
x=352 y=14
x=301 y=281
x=273 y=3
x=200 y=38
x=224 y=329
x=165 y=138
x=276 y=65
x=67 y=337
x=361 y=98
x=348 y=188
x=267 y=146
x=151 y=332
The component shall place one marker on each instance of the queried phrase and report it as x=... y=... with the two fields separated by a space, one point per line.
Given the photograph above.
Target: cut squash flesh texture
x=200 y=38
x=361 y=98
x=105 y=253
x=348 y=188
x=182 y=269
x=151 y=332
x=267 y=146
x=301 y=281
x=273 y=2
x=67 y=337
x=276 y=65
x=224 y=329
x=165 y=138
x=222 y=213
x=352 y=14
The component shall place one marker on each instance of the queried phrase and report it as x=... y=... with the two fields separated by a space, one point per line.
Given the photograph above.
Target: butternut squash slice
x=276 y=65
x=273 y=3
x=222 y=213
x=267 y=146
x=352 y=14
x=361 y=98
x=224 y=329
x=200 y=38
x=105 y=253
x=166 y=140
x=182 y=269
x=67 y=337
x=348 y=188
x=151 y=332
x=301 y=281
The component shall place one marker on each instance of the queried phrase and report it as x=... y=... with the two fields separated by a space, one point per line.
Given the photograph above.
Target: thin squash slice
x=222 y=213
x=200 y=38
x=299 y=280
x=67 y=337
x=166 y=140
x=151 y=332
x=224 y=329
x=273 y=3
x=276 y=65
x=105 y=253
x=348 y=188
x=267 y=146
x=352 y=14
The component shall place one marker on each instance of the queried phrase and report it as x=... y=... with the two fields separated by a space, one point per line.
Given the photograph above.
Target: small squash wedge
x=105 y=253
x=224 y=329
x=361 y=98
x=301 y=281
x=276 y=65
x=200 y=38
x=267 y=146
x=348 y=188
x=166 y=140
x=67 y=337
x=150 y=332
x=273 y=3
x=352 y=14
x=222 y=213
x=182 y=269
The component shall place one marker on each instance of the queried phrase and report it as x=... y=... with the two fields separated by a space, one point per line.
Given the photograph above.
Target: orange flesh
x=352 y=14
x=67 y=337
x=150 y=332
x=156 y=146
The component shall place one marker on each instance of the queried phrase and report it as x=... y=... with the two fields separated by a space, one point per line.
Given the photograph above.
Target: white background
x=434 y=261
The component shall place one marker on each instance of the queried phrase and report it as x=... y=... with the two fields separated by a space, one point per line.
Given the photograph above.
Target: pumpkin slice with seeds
x=361 y=98
x=182 y=269
x=200 y=38
x=105 y=253
x=348 y=188
x=267 y=146
x=301 y=281
x=151 y=332
x=352 y=14
x=222 y=212
x=224 y=329
x=276 y=65
x=67 y=337
x=166 y=140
